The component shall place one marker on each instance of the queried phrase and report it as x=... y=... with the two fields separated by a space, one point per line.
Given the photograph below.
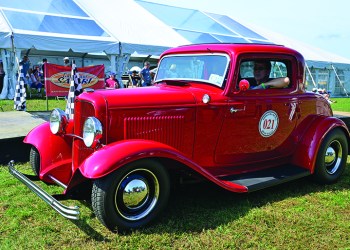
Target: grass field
x=341 y=104
x=296 y=215
x=40 y=104
x=35 y=104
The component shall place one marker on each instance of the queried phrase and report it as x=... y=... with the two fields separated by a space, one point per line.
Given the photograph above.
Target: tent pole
x=47 y=103
x=312 y=79
x=119 y=63
x=112 y=60
x=336 y=74
x=5 y=64
x=14 y=68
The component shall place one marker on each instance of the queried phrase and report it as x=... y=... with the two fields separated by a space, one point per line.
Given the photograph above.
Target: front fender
x=55 y=150
x=113 y=156
x=307 y=148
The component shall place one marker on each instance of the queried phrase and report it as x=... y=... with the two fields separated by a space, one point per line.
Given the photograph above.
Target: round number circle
x=268 y=123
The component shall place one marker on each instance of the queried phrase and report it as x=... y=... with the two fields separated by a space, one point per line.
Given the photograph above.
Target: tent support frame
x=312 y=79
x=341 y=84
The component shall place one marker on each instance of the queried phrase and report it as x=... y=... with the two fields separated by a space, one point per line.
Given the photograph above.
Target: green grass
x=39 y=104
x=295 y=215
x=341 y=104
x=35 y=104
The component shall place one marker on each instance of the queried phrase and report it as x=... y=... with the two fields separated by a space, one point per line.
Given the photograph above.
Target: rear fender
x=113 y=156
x=306 y=153
x=55 y=150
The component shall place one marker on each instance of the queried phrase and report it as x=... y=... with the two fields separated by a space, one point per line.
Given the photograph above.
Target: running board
x=268 y=177
x=67 y=212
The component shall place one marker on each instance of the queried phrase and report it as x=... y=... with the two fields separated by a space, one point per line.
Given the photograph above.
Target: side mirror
x=243 y=85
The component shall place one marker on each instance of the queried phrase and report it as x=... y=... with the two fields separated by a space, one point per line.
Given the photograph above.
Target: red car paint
x=220 y=139
x=211 y=138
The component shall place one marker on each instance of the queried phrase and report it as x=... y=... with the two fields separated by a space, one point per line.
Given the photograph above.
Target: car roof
x=236 y=48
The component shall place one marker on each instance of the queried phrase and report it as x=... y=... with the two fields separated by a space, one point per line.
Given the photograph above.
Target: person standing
x=146 y=75
x=135 y=79
x=111 y=82
x=25 y=67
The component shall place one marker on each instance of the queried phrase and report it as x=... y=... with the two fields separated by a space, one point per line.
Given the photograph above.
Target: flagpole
x=71 y=94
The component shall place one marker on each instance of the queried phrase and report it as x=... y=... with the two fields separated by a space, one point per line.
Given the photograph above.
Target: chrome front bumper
x=67 y=212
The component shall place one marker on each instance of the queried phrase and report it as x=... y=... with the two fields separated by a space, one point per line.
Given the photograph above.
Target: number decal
x=268 y=123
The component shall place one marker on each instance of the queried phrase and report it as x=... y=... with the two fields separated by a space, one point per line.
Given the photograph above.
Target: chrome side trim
x=67 y=212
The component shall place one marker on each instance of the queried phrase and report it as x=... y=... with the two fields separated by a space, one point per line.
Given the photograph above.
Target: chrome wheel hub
x=333 y=157
x=137 y=194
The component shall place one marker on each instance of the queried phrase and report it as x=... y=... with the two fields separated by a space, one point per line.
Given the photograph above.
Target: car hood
x=160 y=95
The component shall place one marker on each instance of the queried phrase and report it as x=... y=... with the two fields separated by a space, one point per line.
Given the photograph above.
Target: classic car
x=205 y=117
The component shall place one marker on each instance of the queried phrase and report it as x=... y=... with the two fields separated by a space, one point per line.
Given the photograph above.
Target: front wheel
x=331 y=157
x=34 y=159
x=132 y=196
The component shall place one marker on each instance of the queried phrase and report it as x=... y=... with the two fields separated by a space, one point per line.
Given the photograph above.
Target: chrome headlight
x=92 y=131
x=58 y=121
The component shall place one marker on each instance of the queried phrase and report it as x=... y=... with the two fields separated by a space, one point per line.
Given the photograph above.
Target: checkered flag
x=75 y=89
x=77 y=81
x=20 y=94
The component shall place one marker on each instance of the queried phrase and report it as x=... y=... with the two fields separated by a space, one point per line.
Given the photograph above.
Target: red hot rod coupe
x=207 y=113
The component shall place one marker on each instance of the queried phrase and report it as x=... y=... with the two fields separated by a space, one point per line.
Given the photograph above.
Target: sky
x=319 y=23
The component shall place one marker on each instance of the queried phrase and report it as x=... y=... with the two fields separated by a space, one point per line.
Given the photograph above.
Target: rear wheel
x=34 y=159
x=331 y=157
x=132 y=196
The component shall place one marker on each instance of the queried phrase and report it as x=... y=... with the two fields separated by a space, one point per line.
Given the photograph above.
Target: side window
x=265 y=73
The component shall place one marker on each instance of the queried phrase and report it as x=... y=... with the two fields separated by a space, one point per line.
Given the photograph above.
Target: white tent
x=137 y=29
x=72 y=26
x=120 y=28
x=140 y=22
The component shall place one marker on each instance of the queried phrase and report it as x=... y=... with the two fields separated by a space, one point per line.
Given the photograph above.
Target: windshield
x=209 y=68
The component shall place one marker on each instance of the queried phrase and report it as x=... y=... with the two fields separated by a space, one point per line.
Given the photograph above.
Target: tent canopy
x=127 y=26
x=63 y=25
x=120 y=28
x=53 y=25
x=137 y=29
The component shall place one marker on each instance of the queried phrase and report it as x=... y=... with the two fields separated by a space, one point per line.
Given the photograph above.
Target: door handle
x=233 y=110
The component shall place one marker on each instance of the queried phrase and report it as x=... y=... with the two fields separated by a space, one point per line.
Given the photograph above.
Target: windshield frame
x=186 y=79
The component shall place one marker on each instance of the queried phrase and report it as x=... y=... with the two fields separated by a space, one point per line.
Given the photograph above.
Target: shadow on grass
x=193 y=208
x=84 y=226
x=89 y=231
